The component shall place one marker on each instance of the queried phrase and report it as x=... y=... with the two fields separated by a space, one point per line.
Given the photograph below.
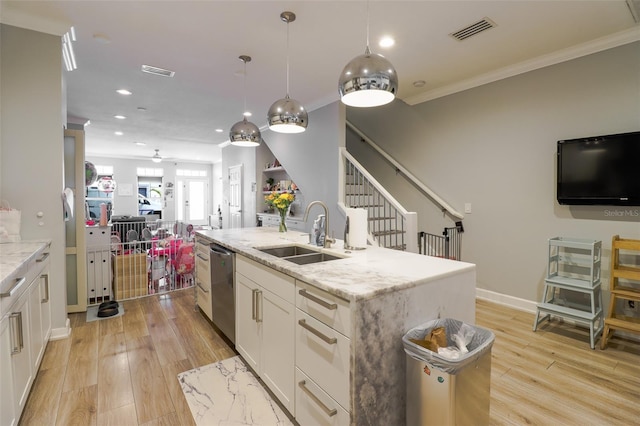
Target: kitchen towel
x=357 y=235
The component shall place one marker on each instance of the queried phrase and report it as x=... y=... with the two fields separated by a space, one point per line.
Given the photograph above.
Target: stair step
x=576 y=314
x=627 y=272
x=626 y=293
x=382 y=218
x=401 y=247
x=621 y=322
x=386 y=233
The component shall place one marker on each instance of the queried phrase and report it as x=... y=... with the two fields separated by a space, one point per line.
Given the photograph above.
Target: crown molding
x=603 y=43
x=18 y=18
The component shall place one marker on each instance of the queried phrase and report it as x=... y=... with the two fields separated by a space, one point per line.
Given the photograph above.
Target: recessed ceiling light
x=140 y=143
x=119 y=117
x=124 y=92
x=419 y=83
x=247 y=114
x=386 y=41
x=142 y=109
x=119 y=133
x=219 y=130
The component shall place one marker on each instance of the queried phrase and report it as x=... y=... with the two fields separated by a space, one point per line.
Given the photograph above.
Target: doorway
x=192 y=203
x=235 y=196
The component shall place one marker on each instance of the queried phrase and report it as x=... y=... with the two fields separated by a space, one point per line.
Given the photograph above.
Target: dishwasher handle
x=220 y=250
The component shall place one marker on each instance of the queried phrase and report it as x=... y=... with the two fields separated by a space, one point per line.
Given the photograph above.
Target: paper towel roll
x=357 y=236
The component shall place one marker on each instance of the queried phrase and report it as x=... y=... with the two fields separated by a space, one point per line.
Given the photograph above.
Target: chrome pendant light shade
x=245 y=133
x=287 y=115
x=368 y=80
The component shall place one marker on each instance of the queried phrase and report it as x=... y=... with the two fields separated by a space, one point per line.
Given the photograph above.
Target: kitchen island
x=384 y=294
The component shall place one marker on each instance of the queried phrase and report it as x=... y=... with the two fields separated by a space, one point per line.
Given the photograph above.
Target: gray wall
x=494 y=147
x=32 y=143
x=311 y=159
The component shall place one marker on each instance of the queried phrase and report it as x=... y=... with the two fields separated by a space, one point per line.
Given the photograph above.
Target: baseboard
x=529 y=306
x=61 y=333
x=504 y=299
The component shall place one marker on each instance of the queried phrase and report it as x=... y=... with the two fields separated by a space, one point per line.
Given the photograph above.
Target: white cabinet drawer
x=314 y=406
x=324 y=306
x=324 y=355
x=204 y=298
x=279 y=284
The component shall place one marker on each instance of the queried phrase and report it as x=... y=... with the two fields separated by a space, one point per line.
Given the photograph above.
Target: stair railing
x=407 y=174
x=390 y=225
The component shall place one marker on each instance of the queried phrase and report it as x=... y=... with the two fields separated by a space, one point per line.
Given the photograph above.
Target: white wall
x=32 y=143
x=125 y=173
x=494 y=147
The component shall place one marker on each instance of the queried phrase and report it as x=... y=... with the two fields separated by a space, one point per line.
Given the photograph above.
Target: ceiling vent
x=157 y=71
x=473 y=29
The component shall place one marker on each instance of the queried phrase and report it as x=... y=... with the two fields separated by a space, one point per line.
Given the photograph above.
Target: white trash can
x=443 y=391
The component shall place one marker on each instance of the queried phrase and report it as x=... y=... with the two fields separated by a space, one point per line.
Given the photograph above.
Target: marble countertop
x=15 y=255
x=361 y=274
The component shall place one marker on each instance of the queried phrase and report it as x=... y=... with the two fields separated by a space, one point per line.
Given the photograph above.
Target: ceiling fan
x=156 y=158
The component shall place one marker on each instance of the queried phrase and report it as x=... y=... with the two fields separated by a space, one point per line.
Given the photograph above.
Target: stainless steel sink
x=299 y=255
x=306 y=259
x=288 y=251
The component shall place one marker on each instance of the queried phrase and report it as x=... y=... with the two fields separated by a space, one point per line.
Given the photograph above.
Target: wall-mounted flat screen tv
x=599 y=170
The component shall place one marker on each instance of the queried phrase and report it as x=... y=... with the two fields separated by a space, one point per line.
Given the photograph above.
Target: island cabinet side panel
x=378 y=357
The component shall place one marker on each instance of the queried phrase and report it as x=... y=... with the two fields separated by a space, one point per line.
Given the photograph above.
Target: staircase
x=390 y=224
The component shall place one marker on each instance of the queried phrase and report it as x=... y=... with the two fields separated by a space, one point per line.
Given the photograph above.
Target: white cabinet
x=203 y=276
x=98 y=239
x=265 y=313
x=323 y=357
x=7 y=409
x=25 y=326
x=273 y=219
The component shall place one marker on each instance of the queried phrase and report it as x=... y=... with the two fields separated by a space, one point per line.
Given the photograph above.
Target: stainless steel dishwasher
x=222 y=290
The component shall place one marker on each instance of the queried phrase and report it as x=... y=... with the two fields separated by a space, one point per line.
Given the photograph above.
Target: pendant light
x=368 y=80
x=287 y=115
x=245 y=133
x=156 y=158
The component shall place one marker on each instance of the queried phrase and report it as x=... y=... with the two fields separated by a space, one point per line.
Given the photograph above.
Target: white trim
x=506 y=300
x=603 y=43
x=61 y=333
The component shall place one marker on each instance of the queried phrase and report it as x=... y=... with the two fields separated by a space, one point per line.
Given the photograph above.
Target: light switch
x=467 y=207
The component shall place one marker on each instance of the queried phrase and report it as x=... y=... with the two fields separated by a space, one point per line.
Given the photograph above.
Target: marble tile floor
x=227 y=392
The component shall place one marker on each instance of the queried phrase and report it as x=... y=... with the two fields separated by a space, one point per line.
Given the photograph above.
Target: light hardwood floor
x=122 y=371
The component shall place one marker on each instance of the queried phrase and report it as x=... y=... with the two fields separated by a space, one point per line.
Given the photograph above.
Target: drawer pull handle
x=253 y=304
x=46 y=288
x=201 y=257
x=258 y=305
x=319 y=301
x=202 y=288
x=329 y=340
x=328 y=411
x=14 y=287
x=17 y=337
x=43 y=258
